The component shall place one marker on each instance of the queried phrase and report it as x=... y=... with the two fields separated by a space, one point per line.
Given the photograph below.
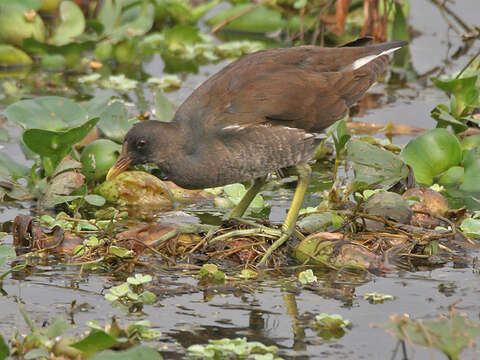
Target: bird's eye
x=141 y=143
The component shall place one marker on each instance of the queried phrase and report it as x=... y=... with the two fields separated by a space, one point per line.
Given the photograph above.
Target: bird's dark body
x=259 y=114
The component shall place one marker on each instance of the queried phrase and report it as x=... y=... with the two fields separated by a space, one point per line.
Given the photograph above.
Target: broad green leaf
x=139 y=279
x=140 y=352
x=72 y=24
x=432 y=153
x=441 y=113
x=109 y=15
x=180 y=35
x=6 y=252
x=57 y=328
x=49 y=113
x=449 y=334
x=15 y=27
x=53 y=61
x=4 y=350
x=464 y=90
x=95 y=200
x=97 y=105
x=471 y=182
x=375 y=167
x=37 y=353
x=114 y=122
x=135 y=21
x=95 y=341
x=58 y=143
x=12 y=170
x=471 y=227
x=10 y=55
x=261 y=19
x=120 y=252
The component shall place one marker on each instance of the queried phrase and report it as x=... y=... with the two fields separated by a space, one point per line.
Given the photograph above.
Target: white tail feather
x=365 y=60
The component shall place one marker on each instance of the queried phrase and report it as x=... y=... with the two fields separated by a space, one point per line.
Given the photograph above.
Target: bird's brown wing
x=307 y=88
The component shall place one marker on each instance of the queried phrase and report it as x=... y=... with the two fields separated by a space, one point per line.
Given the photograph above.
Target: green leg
x=242 y=206
x=304 y=175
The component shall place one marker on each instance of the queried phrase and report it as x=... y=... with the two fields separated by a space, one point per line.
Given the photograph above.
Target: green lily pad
x=432 y=153
x=72 y=24
x=375 y=167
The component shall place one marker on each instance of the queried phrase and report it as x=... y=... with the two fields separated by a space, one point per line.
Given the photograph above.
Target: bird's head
x=144 y=143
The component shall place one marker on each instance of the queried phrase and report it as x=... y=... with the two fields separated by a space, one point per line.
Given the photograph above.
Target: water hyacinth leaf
x=6 y=252
x=375 y=167
x=95 y=341
x=441 y=113
x=454 y=175
x=464 y=89
x=471 y=227
x=12 y=170
x=109 y=15
x=37 y=354
x=470 y=186
x=10 y=55
x=72 y=24
x=15 y=27
x=97 y=105
x=57 y=328
x=340 y=135
x=140 y=352
x=134 y=21
x=48 y=113
x=180 y=35
x=4 y=350
x=53 y=61
x=164 y=109
x=262 y=19
x=432 y=153
x=114 y=122
x=3 y=135
x=95 y=200
x=98 y=157
x=56 y=144
x=449 y=334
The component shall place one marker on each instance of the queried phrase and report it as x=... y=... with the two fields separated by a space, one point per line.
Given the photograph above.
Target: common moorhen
x=259 y=114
